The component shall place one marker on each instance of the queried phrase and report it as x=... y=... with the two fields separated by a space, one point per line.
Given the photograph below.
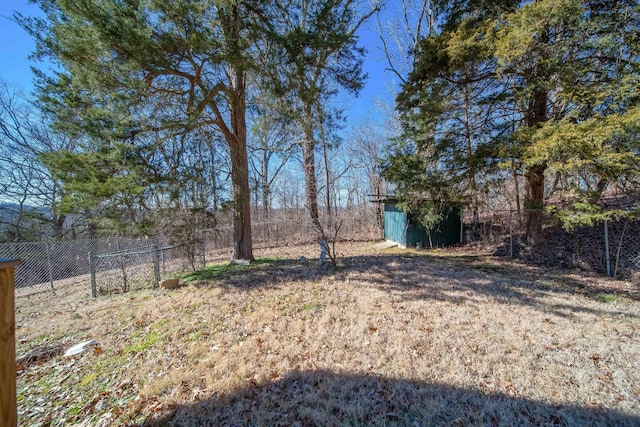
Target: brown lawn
x=390 y=338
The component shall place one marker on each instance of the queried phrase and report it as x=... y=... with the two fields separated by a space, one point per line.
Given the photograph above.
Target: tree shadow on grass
x=459 y=279
x=430 y=277
x=259 y=273
x=325 y=398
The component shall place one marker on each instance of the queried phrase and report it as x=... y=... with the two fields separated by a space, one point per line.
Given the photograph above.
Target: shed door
x=395 y=224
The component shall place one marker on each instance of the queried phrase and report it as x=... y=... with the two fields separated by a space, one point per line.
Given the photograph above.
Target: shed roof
x=383 y=198
x=391 y=199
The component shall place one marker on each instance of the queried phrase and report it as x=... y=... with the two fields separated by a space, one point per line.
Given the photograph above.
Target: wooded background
x=162 y=119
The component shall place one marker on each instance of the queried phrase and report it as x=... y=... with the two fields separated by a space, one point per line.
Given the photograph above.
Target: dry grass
x=392 y=338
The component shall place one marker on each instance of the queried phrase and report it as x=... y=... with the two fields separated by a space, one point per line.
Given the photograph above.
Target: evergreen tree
x=505 y=85
x=572 y=68
x=129 y=68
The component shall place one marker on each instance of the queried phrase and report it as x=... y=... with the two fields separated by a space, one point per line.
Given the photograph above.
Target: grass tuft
x=142 y=342
x=607 y=298
x=223 y=270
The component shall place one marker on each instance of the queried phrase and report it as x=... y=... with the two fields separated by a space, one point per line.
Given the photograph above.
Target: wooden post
x=8 y=407
x=606 y=248
x=203 y=261
x=156 y=265
x=48 y=250
x=92 y=274
x=510 y=236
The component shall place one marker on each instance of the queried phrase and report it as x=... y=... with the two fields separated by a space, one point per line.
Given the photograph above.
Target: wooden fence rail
x=8 y=408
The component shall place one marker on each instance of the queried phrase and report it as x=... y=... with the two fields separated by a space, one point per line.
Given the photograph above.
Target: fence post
x=202 y=255
x=156 y=265
x=48 y=251
x=8 y=397
x=510 y=235
x=92 y=273
x=606 y=248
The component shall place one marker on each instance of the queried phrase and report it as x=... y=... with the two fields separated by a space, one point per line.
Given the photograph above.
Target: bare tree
x=404 y=24
x=27 y=186
x=271 y=147
x=319 y=54
x=368 y=142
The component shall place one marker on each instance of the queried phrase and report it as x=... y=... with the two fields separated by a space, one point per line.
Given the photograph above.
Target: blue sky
x=16 y=45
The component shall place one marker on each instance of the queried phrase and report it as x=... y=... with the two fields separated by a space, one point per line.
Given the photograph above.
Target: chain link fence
x=610 y=248
x=142 y=267
x=122 y=264
x=274 y=234
x=295 y=228
x=46 y=265
x=633 y=270
x=502 y=232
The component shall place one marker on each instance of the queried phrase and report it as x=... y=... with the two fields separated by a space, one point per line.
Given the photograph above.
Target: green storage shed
x=402 y=228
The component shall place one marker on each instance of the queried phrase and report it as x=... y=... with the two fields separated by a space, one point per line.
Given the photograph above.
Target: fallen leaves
x=91 y=405
x=39 y=355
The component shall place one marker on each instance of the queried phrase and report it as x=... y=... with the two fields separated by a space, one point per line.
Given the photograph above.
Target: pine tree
x=129 y=68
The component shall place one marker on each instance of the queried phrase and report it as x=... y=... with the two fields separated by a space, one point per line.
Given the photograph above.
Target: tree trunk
x=327 y=174
x=534 y=175
x=242 y=244
x=514 y=174
x=309 y=164
x=266 y=188
x=516 y=183
x=469 y=142
x=17 y=225
x=236 y=137
x=92 y=228
x=58 y=224
x=534 y=200
x=212 y=176
x=379 y=205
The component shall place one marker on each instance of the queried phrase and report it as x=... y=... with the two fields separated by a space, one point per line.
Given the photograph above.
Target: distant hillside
x=9 y=213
